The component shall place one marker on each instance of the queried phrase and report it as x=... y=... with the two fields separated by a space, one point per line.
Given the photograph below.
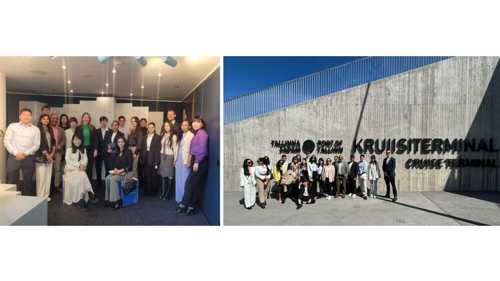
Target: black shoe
x=106 y=203
x=394 y=199
x=387 y=196
x=298 y=207
x=242 y=201
x=190 y=211
x=365 y=197
x=116 y=206
x=180 y=210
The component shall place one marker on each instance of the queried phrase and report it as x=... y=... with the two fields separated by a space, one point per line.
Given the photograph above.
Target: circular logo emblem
x=308 y=147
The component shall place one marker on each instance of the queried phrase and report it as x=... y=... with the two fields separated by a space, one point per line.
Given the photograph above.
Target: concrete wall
x=455 y=98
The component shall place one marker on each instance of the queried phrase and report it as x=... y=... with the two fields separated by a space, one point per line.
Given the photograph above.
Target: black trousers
x=194 y=186
x=351 y=184
x=150 y=179
x=101 y=162
x=27 y=165
x=390 y=181
x=328 y=187
x=90 y=162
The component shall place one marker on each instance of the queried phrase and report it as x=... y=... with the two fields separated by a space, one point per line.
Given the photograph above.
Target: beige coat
x=184 y=146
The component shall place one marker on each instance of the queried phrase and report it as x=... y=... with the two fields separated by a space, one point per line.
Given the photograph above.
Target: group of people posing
x=306 y=179
x=64 y=151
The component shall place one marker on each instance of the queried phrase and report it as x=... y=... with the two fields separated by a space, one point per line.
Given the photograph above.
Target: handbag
x=129 y=186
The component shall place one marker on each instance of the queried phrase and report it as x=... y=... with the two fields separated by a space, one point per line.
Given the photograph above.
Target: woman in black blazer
x=150 y=158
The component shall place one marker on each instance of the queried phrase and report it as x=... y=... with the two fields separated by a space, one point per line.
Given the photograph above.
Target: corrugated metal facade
x=319 y=84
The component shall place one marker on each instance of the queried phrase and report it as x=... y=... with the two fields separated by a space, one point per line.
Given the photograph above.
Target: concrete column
x=3 y=126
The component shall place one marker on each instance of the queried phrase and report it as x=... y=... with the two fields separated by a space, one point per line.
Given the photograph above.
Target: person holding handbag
x=44 y=157
x=121 y=170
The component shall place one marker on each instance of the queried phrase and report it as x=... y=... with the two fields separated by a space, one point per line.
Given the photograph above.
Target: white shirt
x=22 y=138
x=148 y=141
x=113 y=135
x=123 y=130
x=103 y=132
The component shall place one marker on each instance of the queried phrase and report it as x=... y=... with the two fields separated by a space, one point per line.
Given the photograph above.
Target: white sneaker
x=329 y=197
x=349 y=195
x=354 y=196
x=48 y=199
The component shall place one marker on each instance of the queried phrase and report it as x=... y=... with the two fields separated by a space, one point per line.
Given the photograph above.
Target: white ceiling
x=88 y=75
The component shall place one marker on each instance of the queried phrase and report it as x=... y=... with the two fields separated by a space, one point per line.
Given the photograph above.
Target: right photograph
x=376 y=140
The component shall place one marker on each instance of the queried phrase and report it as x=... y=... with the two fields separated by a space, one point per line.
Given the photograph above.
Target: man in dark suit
x=176 y=126
x=352 y=176
x=389 y=168
x=101 y=160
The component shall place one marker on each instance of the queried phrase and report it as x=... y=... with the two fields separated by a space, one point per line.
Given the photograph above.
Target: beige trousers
x=43 y=174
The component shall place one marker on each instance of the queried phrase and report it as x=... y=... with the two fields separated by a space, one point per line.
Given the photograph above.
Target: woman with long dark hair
x=263 y=177
x=191 y=201
x=150 y=158
x=312 y=171
x=247 y=183
x=76 y=183
x=44 y=157
x=64 y=122
x=183 y=162
x=373 y=176
x=121 y=169
x=168 y=157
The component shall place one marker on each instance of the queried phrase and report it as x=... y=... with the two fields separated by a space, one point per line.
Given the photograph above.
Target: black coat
x=114 y=143
x=353 y=172
x=101 y=144
x=151 y=157
x=122 y=162
x=93 y=136
x=389 y=168
x=44 y=145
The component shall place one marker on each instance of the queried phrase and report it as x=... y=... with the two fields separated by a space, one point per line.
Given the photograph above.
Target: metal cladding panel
x=319 y=84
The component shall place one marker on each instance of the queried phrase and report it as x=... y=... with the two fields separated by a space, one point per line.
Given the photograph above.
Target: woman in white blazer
x=183 y=161
x=248 y=182
x=76 y=183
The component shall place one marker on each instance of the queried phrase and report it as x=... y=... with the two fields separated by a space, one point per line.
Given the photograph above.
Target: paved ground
x=149 y=211
x=413 y=208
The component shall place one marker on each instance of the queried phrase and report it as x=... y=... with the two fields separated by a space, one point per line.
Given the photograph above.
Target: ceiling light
x=131 y=94
x=114 y=70
x=63 y=66
x=107 y=84
x=102 y=93
x=141 y=60
x=71 y=91
x=159 y=74
x=169 y=61
x=69 y=81
x=103 y=59
x=142 y=86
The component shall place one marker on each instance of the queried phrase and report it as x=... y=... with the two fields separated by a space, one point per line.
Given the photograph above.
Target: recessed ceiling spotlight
x=114 y=70
x=71 y=91
x=159 y=74
x=69 y=81
x=131 y=94
x=142 y=86
x=102 y=93
x=107 y=84
x=63 y=66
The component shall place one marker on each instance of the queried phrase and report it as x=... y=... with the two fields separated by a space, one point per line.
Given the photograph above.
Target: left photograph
x=110 y=140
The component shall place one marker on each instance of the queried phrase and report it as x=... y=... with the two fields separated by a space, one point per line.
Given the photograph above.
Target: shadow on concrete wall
x=360 y=118
x=476 y=179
